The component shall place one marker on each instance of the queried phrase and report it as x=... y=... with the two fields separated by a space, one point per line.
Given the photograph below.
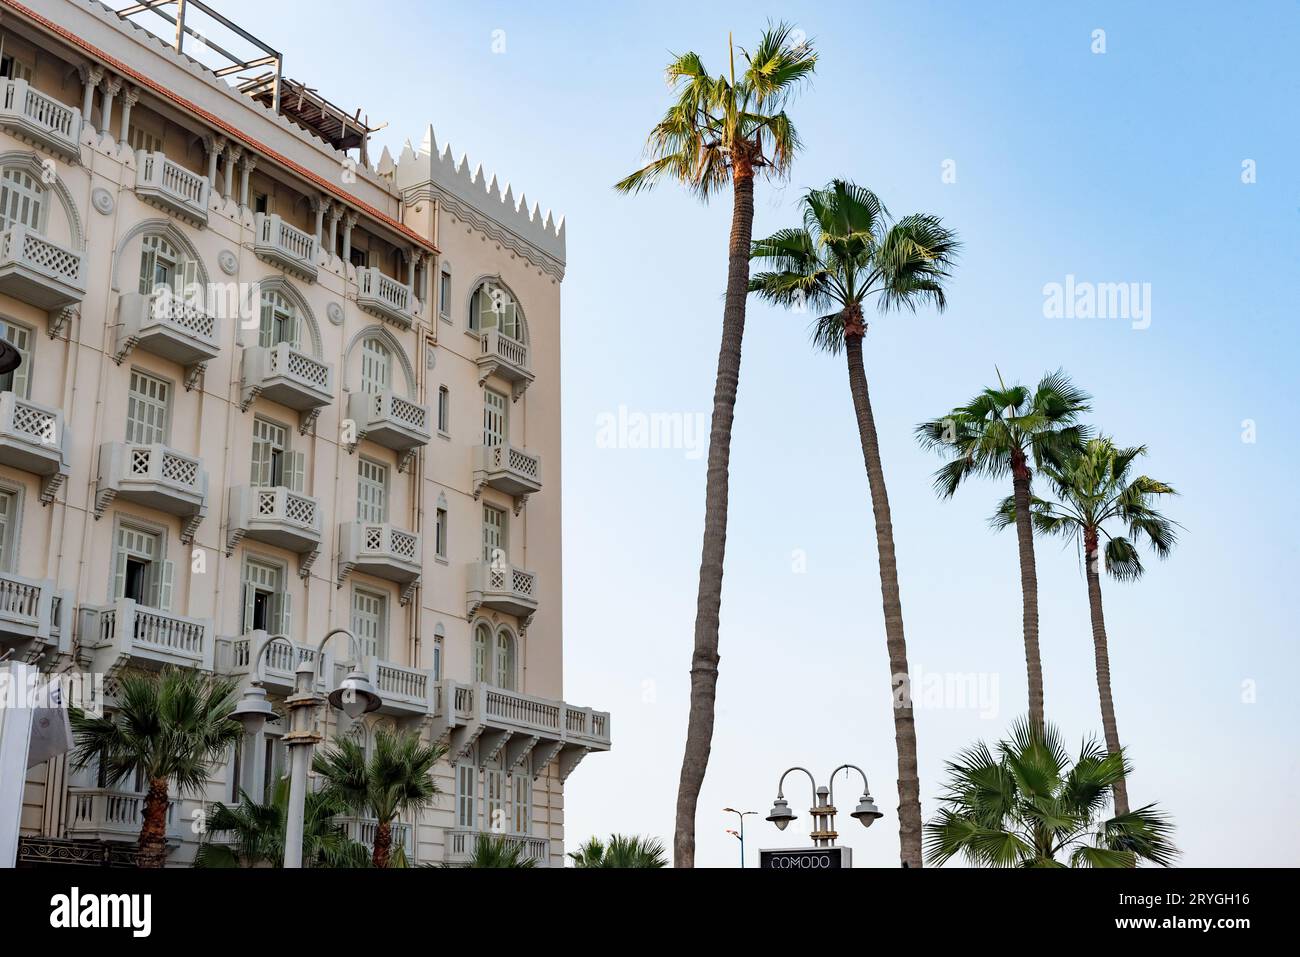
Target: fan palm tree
x=397 y=779
x=1012 y=431
x=254 y=833
x=1094 y=488
x=1026 y=804
x=621 y=850
x=729 y=128
x=167 y=729
x=495 y=850
x=846 y=252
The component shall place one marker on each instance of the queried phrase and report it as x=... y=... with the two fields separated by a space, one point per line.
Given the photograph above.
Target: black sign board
x=806 y=859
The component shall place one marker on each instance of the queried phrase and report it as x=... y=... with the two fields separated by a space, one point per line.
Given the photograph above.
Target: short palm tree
x=251 y=834
x=1094 y=488
x=396 y=780
x=845 y=253
x=621 y=850
x=724 y=129
x=1027 y=803
x=1011 y=431
x=495 y=850
x=168 y=729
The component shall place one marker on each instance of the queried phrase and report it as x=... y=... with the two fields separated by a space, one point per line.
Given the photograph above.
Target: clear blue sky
x=1121 y=167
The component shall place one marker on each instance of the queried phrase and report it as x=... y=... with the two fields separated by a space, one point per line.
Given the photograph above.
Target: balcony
x=517 y=726
x=507 y=469
x=110 y=814
x=460 y=846
x=288 y=376
x=125 y=634
x=234 y=655
x=276 y=516
x=385 y=297
x=403 y=691
x=391 y=421
x=504 y=357
x=154 y=476
x=278 y=243
x=166 y=325
x=362 y=830
x=502 y=588
x=39 y=271
x=33 y=438
x=382 y=551
x=172 y=187
x=40 y=119
x=35 y=618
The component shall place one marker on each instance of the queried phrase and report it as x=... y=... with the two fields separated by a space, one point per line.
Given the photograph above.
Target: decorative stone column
x=336 y=213
x=111 y=86
x=319 y=204
x=129 y=99
x=233 y=152
x=214 y=144
x=349 y=221
x=92 y=74
x=247 y=163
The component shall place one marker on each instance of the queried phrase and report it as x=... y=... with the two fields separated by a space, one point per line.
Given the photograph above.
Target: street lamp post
x=354 y=696
x=823 y=810
x=742 y=815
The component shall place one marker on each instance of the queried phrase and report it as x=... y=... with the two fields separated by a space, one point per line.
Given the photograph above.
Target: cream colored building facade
x=272 y=388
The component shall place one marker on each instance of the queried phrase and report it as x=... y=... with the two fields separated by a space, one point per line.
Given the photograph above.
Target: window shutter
x=261 y=476
x=296 y=470
x=250 y=595
x=22 y=375
x=265 y=331
x=285 y=624
x=148 y=263
x=189 y=278
x=487 y=317
x=291 y=329
x=119 y=569
x=165 y=586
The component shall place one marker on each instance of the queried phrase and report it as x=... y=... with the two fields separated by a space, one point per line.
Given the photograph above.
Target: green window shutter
x=250 y=596
x=285 y=623
x=261 y=475
x=189 y=277
x=148 y=263
x=264 y=334
x=296 y=470
x=167 y=573
x=119 y=568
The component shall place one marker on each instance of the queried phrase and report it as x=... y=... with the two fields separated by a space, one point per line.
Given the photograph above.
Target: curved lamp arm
x=259 y=659
x=781 y=784
x=866 y=788
x=354 y=647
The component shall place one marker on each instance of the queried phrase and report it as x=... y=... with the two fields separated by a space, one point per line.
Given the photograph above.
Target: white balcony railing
x=40 y=119
x=40 y=271
x=508 y=469
x=460 y=845
x=505 y=357
x=168 y=184
x=380 y=549
x=288 y=376
x=285 y=246
x=385 y=297
x=32 y=616
x=389 y=419
x=122 y=631
x=156 y=476
x=363 y=830
x=275 y=515
x=279 y=663
x=33 y=438
x=110 y=814
x=502 y=587
x=167 y=325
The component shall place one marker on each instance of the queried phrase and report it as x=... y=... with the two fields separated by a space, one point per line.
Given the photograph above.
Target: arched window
x=22 y=200
x=482 y=635
x=163 y=265
x=376 y=366
x=492 y=307
x=280 y=321
x=505 y=661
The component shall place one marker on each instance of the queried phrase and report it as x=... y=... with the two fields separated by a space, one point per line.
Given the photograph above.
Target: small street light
x=823 y=811
x=354 y=696
x=741 y=834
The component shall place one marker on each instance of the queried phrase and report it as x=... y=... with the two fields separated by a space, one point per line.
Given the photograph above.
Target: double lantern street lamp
x=354 y=697
x=823 y=813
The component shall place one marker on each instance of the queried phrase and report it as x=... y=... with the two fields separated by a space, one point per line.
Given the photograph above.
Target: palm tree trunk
x=1028 y=586
x=1108 y=724
x=151 y=849
x=704 y=660
x=383 y=843
x=909 y=785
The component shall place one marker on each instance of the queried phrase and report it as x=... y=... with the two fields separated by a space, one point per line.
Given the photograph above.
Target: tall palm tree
x=1011 y=431
x=396 y=779
x=729 y=128
x=1028 y=803
x=250 y=834
x=1093 y=488
x=621 y=850
x=168 y=729
x=845 y=252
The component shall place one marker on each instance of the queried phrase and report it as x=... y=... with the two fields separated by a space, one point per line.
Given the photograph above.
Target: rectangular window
x=14 y=69
x=444 y=410
x=146 y=409
x=440 y=533
x=522 y=785
x=9 y=517
x=273 y=463
x=494 y=535
x=372 y=492
x=444 y=295
x=466 y=775
x=267 y=603
x=494 y=418
x=18 y=380
x=494 y=813
x=369 y=614
x=142 y=139
x=261 y=203
x=139 y=571
x=437 y=659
